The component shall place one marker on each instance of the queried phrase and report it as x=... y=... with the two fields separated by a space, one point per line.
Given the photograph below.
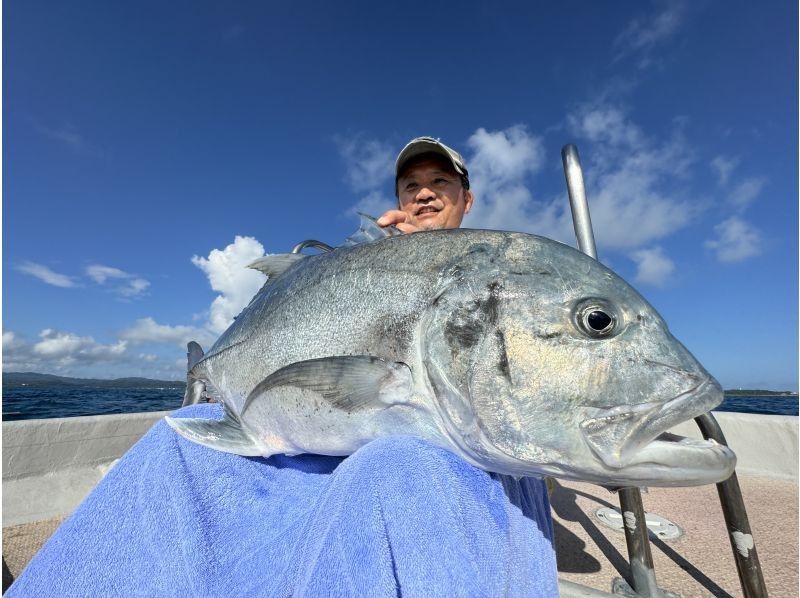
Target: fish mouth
x=672 y=460
x=631 y=440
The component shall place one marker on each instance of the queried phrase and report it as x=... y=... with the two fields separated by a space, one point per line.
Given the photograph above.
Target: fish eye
x=596 y=320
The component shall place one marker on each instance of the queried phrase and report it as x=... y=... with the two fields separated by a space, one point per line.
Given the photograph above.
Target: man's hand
x=403 y=222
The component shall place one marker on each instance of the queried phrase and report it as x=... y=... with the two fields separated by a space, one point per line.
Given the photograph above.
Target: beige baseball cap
x=425 y=145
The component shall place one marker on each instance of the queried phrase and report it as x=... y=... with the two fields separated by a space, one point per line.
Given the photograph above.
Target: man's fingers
x=402 y=221
x=393 y=217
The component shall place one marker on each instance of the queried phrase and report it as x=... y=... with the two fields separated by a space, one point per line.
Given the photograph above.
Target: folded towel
x=398 y=517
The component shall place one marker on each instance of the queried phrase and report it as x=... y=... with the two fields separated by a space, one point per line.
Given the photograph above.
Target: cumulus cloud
x=501 y=164
x=368 y=162
x=736 y=240
x=70 y=354
x=633 y=182
x=147 y=330
x=508 y=155
x=228 y=274
x=645 y=33
x=606 y=124
x=724 y=167
x=10 y=341
x=56 y=349
x=131 y=285
x=653 y=267
x=369 y=165
x=69 y=346
x=46 y=275
x=743 y=194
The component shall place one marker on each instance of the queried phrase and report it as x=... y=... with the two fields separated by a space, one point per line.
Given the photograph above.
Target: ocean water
x=39 y=402
x=765 y=405
x=35 y=403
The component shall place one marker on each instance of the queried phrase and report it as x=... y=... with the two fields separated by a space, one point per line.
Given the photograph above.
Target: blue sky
x=150 y=150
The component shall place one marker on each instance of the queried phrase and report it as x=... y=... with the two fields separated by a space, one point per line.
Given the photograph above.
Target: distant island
x=33 y=379
x=759 y=393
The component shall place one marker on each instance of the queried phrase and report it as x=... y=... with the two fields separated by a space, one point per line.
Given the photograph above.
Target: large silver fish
x=516 y=352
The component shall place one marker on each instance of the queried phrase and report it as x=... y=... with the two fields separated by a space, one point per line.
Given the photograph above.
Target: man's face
x=430 y=192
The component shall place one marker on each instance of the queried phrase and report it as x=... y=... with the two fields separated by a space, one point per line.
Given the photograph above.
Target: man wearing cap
x=432 y=188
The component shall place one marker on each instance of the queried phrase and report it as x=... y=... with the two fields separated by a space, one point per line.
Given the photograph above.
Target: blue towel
x=398 y=517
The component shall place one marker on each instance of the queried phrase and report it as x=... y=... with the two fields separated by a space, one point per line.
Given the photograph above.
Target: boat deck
x=699 y=563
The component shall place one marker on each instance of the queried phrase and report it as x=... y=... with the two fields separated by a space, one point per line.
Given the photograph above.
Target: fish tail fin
x=195 y=387
x=194 y=353
x=225 y=435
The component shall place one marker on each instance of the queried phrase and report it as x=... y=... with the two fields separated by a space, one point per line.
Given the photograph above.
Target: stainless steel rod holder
x=577 y=200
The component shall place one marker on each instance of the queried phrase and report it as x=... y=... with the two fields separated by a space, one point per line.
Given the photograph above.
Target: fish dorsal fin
x=369 y=231
x=276 y=264
x=348 y=383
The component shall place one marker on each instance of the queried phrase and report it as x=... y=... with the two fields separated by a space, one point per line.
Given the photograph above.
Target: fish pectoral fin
x=275 y=265
x=369 y=231
x=349 y=382
x=225 y=435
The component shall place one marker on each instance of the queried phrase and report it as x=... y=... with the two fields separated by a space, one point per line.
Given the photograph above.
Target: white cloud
x=606 y=124
x=724 y=167
x=46 y=275
x=653 y=267
x=228 y=274
x=100 y=273
x=643 y=34
x=133 y=288
x=10 y=341
x=500 y=164
x=745 y=192
x=633 y=182
x=70 y=354
x=506 y=156
x=736 y=240
x=69 y=347
x=132 y=285
x=368 y=162
x=147 y=330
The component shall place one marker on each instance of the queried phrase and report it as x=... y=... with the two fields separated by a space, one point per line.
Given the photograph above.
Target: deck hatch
x=662 y=528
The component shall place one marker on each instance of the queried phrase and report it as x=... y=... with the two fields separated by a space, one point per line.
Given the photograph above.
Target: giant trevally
x=516 y=352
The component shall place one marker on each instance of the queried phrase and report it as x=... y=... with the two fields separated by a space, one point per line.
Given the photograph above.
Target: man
x=431 y=186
